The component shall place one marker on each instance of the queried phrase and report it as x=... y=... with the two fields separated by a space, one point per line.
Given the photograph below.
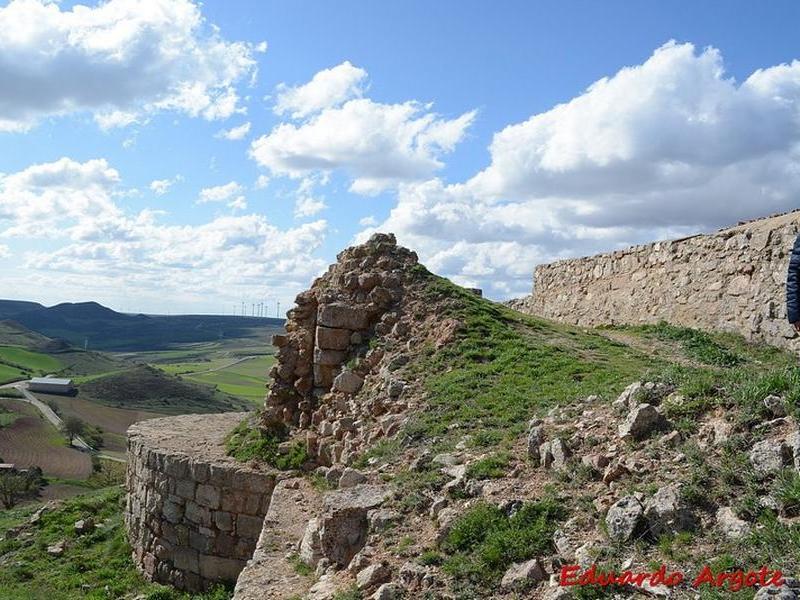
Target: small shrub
x=490 y=467
x=246 y=442
x=484 y=541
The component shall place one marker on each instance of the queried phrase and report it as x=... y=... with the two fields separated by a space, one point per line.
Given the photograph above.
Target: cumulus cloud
x=665 y=148
x=161 y=186
x=328 y=88
x=262 y=181
x=5 y=251
x=231 y=193
x=101 y=246
x=235 y=133
x=125 y=60
x=377 y=145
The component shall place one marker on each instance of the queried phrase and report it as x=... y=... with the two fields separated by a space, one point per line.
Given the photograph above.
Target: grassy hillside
x=35 y=362
x=14 y=334
x=241 y=377
x=146 y=388
x=94 y=566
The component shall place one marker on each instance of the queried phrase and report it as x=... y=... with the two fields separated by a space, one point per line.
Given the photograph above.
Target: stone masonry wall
x=193 y=514
x=733 y=280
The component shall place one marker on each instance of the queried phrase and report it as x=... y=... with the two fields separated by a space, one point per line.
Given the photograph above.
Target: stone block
x=250 y=527
x=329 y=358
x=333 y=339
x=220 y=569
x=343 y=316
x=208 y=495
x=186 y=559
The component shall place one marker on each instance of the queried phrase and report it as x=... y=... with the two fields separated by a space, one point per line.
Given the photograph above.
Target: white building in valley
x=51 y=385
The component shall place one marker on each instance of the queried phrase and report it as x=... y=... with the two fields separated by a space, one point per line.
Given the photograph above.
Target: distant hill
x=106 y=329
x=146 y=388
x=15 y=334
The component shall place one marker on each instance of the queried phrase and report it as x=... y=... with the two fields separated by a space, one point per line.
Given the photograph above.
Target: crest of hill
x=106 y=329
x=147 y=388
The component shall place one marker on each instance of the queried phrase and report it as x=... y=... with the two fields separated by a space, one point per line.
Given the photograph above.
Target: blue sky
x=163 y=156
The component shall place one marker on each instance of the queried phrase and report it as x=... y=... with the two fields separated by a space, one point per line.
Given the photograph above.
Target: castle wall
x=733 y=280
x=193 y=514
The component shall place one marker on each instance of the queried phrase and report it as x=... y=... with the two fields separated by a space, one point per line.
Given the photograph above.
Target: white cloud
x=307 y=204
x=368 y=221
x=328 y=88
x=231 y=192
x=101 y=247
x=161 y=186
x=5 y=251
x=49 y=199
x=235 y=133
x=665 y=148
x=377 y=145
x=261 y=182
x=126 y=60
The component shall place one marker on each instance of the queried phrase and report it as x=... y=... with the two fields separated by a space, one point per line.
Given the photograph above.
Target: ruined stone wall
x=325 y=358
x=193 y=514
x=733 y=280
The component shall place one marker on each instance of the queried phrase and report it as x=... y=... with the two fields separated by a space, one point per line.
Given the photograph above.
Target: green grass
x=247 y=442
x=7 y=418
x=35 y=362
x=484 y=541
x=491 y=467
x=698 y=345
x=95 y=566
x=506 y=367
x=9 y=374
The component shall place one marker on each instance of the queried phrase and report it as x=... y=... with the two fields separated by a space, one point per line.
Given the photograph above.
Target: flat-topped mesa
x=325 y=356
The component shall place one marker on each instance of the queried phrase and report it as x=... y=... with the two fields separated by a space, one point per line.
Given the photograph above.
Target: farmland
x=114 y=422
x=31 y=441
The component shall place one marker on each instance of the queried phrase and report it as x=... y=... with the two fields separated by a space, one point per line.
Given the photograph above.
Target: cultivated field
x=113 y=421
x=32 y=441
x=245 y=377
x=35 y=362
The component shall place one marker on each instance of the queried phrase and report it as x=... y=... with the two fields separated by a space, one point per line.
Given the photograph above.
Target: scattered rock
x=535 y=439
x=623 y=518
x=596 y=461
x=57 y=549
x=388 y=591
x=520 y=575
x=768 y=457
x=84 y=526
x=347 y=382
x=351 y=478
x=775 y=405
x=560 y=453
x=732 y=526
x=641 y=422
x=373 y=576
x=666 y=512
x=614 y=471
x=783 y=592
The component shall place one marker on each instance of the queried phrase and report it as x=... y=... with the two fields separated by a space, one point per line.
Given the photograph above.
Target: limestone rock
x=783 y=592
x=768 y=457
x=57 y=549
x=372 y=576
x=732 y=526
x=666 y=512
x=624 y=518
x=535 y=439
x=520 y=575
x=775 y=405
x=388 y=591
x=641 y=422
x=560 y=453
x=84 y=526
x=347 y=382
x=351 y=478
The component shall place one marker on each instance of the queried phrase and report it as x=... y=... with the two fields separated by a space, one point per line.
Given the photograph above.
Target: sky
x=167 y=156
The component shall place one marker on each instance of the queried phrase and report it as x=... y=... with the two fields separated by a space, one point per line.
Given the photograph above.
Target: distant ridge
x=107 y=329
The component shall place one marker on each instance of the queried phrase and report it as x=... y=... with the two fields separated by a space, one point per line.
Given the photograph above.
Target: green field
x=9 y=374
x=35 y=362
x=245 y=378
